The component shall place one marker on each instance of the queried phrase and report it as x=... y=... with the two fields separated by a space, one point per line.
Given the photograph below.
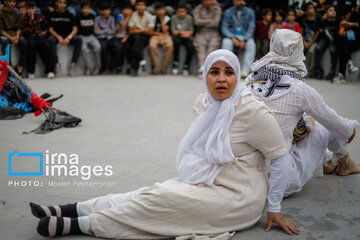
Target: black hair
x=306 y=6
x=127 y=6
x=280 y=12
x=327 y=7
x=140 y=1
x=344 y=10
x=181 y=5
x=30 y=4
x=85 y=3
x=291 y=10
x=104 y=6
x=159 y=5
x=265 y=11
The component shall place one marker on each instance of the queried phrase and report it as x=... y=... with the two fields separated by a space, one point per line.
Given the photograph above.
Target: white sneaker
x=339 y=79
x=175 y=71
x=142 y=64
x=352 y=68
x=72 y=69
x=51 y=75
x=244 y=73
x=31 y=76
x=186 y=72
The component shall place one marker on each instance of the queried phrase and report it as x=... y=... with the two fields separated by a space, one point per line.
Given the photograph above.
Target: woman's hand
x=288 y=226
x=352 y=136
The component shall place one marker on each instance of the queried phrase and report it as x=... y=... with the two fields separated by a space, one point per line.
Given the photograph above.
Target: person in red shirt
x=290 y=23
x=262 y=33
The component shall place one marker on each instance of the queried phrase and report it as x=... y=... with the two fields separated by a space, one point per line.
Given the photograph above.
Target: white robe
x=172 y=209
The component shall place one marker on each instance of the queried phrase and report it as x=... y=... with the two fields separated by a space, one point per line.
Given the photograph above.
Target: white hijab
x=205 y=149
x=286 y=52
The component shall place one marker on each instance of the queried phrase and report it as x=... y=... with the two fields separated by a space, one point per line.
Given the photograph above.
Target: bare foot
x=347 y=166
x=330 y=167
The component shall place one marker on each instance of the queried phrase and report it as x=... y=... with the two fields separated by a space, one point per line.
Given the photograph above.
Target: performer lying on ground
x=277 y=80
x=221 y=163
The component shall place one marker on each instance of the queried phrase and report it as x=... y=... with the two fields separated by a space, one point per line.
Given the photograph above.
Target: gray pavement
x=135 y=125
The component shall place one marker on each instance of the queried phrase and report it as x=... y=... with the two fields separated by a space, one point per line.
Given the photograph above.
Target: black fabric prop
x=55 y=120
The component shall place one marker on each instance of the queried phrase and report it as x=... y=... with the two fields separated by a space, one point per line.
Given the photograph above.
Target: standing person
x=182 y=27
x=328 y=35
x=86 y=22
x=349 y=36
x=290 y=21
x=207 y=17
x=35 y=30
x=277 y=80
x=222 y=185
x=278 y=23
x=262 y=33
x=310 y=26
x=238 y=27
x=121 y=38
x=161 y=36
x=63 y=30
x=10 y=27
x=141 y=25
x=105 y=30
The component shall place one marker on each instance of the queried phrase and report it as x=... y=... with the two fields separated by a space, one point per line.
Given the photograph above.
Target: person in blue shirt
x=238 y=27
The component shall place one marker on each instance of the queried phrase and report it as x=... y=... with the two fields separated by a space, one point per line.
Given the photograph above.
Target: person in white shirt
x=321 y=134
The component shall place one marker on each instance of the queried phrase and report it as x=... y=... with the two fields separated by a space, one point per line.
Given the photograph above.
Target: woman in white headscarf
x=276 y=79
x=222 y=185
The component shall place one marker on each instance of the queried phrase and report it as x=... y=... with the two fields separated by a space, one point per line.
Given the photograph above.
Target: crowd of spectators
x=117 y=32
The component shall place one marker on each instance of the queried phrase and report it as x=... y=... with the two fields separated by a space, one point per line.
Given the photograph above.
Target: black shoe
x=319 y=74
x=128 y=70
x=134 y=73
x=118 y=70
x=330 y=76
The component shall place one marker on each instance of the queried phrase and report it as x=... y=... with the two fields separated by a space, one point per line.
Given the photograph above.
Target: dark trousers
x=109 y=49
x=41 y=45
x=137 y=43
x=22 y=44
x=321 y=46
x=75 y=41
x=123 y=52
x=346 y=47
x=188 y=43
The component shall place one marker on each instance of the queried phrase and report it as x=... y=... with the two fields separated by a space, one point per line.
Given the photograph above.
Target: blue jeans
x=250 y=50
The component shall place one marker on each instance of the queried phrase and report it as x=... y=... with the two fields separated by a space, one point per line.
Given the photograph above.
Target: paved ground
x=135 y=125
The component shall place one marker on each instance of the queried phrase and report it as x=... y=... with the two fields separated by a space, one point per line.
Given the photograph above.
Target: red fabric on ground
x=38 y=103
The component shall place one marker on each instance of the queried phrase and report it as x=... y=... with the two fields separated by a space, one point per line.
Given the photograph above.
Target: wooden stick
x=19 y=77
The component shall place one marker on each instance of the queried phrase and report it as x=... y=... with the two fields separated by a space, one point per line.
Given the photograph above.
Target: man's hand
x=13 y=40
x=61 y=40
x=242 y=45
x=66 y=41
x=288 y=226
x=235 y=42
x=306 y=45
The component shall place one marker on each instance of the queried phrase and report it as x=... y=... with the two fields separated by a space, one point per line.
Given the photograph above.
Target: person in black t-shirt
x=86 y=22
x=161 y=36
x=309 y=25
x=349 y=42
x=63 y=29
x=328 y=33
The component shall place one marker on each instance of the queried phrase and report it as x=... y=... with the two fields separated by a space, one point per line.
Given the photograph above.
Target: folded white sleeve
x=279 y=170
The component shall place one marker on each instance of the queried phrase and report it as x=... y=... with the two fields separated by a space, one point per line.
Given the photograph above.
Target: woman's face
x=221 y=80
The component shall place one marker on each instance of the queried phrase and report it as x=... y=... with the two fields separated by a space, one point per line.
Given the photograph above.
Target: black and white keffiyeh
x=270 y=78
